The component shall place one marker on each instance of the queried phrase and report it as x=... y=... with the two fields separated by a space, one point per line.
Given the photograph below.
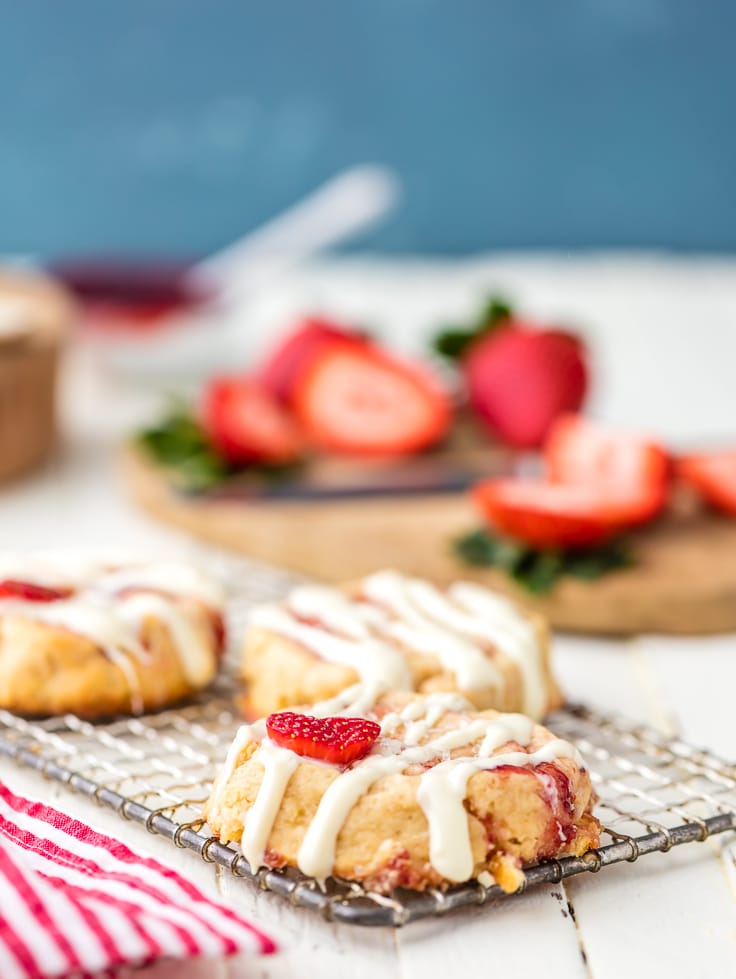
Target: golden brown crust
x=47 y=669
x=514 y=817
x=280 y=673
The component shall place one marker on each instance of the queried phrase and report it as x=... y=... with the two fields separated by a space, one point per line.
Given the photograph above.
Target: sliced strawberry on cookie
x=337 y=740
x=27 y=591
x=713 y=477
x=364 y=401
x=281 y=370
x=246 y=425
x=553 y=515
x=579 y=452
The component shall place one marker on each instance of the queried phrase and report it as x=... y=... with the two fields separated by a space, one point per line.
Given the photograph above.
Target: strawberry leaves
x=179 y=443
x=454 y=341
x=539 y=570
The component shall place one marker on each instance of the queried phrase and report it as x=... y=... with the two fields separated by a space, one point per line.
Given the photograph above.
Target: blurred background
x=164 y=392
x=577 y=158
x=174 y=126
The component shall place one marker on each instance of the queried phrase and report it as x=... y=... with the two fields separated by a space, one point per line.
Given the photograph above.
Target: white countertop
x=663 y=338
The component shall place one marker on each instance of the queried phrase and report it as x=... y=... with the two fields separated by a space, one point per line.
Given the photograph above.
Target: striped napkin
x=74 y=902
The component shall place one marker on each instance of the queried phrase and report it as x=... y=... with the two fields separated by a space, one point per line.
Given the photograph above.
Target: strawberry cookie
x=389 y=631
x=405 y=790
x=98 y=638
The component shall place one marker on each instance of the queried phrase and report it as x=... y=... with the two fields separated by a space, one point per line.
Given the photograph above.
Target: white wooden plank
x=696 y=676
x=531 y=935
x=668 y=915
x=600 y=673
x=335 y=950
x=663 y=897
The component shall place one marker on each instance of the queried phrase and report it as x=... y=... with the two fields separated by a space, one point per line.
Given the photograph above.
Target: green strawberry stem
x=455 y=340
x=539 y=570
x=180 y=444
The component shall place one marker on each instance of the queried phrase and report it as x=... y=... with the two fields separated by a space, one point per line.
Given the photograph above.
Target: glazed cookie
x=98 y=638
x=394 y=632
x=417 y=791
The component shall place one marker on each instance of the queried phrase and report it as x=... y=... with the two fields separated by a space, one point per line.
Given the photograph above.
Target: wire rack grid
x=655 y=792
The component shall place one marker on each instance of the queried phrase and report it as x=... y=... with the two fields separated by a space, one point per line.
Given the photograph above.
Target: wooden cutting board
x=683 y=581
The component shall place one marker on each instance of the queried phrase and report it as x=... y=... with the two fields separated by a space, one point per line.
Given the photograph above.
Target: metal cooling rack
x=655 y=792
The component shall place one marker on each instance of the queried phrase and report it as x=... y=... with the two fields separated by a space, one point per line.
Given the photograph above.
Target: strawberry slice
x=284 y=365
x=364 y=401
x=581 y=453
x=30 y=592
x=337 y=740
x=246 y=425
x=713 y=476
x=554 y=515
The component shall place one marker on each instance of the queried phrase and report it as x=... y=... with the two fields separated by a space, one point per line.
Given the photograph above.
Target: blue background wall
x=174 y=125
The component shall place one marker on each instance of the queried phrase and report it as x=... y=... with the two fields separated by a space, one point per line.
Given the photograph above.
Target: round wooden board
x=683 y=581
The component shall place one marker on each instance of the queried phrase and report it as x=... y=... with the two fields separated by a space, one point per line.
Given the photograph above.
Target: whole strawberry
x=520 y=376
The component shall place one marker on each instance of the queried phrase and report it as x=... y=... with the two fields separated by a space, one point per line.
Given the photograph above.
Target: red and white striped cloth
x=73 y=901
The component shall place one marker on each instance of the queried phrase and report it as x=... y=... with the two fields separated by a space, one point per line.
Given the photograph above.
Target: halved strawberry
x=282 y=368
x=362 y=400
x=713 y=475
x=27 y=591
x=338 y=740
x=554 y=515
x=579 y=452
x=245 y=424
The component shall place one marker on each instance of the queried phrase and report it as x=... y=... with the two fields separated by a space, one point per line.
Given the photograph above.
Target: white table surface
x=663 y=336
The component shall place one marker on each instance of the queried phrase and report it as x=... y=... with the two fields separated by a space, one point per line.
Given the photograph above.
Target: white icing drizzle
x=335 y=610
x=194 y=654
x=442 y=788
x=110 y=574
x=124 y=664
x=174 y=579
x=355 y=701
x=113 y=621
x=55 y=569
x=421 y=715
x=87 y=617
x=244 y=734
x=279 y=764
x=454 y=627
x=441 y=795
x=499 y=620
x=379 y=666
x=474 y=613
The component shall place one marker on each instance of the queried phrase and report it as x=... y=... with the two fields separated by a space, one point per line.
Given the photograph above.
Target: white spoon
x=194 y=343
